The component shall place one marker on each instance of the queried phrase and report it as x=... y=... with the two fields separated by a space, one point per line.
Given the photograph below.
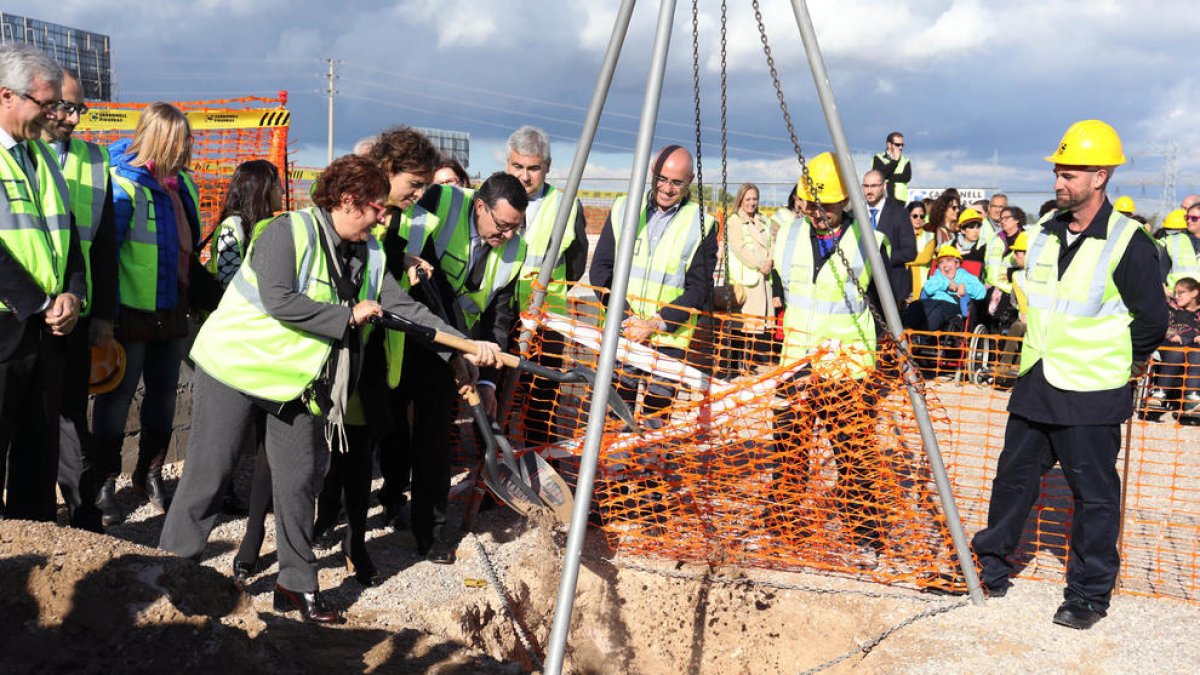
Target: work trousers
x=422 y=447
x=30 y=400
x=77 y=482
x=296 y=454
x=846 y=410
x=1088 y=455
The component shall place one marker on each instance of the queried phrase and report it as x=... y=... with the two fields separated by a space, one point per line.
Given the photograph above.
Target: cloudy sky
x=982 y=90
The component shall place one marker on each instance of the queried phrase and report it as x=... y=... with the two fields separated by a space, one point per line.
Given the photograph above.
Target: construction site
x=797 y=514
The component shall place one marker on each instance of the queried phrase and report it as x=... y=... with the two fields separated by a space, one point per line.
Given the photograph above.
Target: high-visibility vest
x=244 y=347
x=1078 y=326
x=138 y=258
x=451 y=225
x=537 y=240
x=412 y=226
x=1185 y=262
x=35 y=219
x=658 y=273
x=831 y=312
x=739 y=272
x=900 y=189
x=86 y=173
x=996 y=264
x=233 y=226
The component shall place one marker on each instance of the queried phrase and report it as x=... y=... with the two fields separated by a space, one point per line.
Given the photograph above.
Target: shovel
x=501 y=473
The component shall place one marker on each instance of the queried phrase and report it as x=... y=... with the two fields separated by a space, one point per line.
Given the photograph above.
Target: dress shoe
x=310 y=605
x=363 y=570
x=325 y=539
x=106 y=501
x=437 y=550
x=395 y=516
x=1078 y=614
x=242 y=571
x=150 y=485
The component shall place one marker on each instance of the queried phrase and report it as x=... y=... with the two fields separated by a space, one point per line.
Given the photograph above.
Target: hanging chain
x=696 y=99
x=823 y=221
x=724 y=144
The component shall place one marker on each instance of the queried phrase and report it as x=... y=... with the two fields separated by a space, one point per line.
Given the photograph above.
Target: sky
x=981 y=90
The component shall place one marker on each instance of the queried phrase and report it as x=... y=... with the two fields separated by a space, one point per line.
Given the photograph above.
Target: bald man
x=674 y=231
x=1189 y=201
x=86 y=472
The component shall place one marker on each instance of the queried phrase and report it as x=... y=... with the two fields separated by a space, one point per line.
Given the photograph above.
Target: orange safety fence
x=226 y=132
x=744 y=460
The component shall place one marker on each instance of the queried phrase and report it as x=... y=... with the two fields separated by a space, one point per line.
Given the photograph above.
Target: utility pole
x=331 y=91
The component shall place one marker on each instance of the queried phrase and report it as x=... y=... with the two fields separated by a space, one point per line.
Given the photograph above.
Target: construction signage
x=125 y=119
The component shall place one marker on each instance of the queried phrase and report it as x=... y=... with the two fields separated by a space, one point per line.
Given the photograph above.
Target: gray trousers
x=296 y=454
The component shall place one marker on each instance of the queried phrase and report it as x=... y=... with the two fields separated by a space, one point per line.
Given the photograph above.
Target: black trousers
x=422 y=447
x=1178 y=374
x=1088 y=455
x=77 y=480
x=30 y=400
x=543 y=393
x=660 y=392
x=348 y=482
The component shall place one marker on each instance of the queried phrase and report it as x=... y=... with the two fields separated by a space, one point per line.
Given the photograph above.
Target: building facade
x=83 y=53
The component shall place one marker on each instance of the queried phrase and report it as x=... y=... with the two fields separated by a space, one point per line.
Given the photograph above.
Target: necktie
x=22 y=156
x=475 y=275
x=874 y=217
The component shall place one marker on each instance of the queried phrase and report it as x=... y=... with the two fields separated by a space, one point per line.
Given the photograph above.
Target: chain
x=696 y=99
x=490 y=572
x=866 y=647
x=724 y=138
x=823 y=222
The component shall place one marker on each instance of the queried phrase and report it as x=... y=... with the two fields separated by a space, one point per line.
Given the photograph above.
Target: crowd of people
x=101 y=247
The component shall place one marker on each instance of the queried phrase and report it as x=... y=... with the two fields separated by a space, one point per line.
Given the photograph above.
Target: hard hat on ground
x=1021 y=243
x=949 y=251
x=826 y=180
x=1089 y=143
x=1125 y=205
x=968 y=215
x=1175 y=220
x=108 y=367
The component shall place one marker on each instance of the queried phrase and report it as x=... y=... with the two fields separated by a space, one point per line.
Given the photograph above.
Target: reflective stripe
x=139 y=231
x=375 y=265
x=1094 y=306
x=416 y=231
x=305 y=267
x=247 y=290
x=824 y=306
x=449 y=224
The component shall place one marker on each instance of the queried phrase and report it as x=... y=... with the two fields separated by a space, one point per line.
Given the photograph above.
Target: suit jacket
x=893 y=222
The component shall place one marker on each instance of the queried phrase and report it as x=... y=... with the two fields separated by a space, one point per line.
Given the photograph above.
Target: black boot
x=147 y=477
x=106 y=501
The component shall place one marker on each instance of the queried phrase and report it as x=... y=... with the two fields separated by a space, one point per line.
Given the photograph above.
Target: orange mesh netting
x=800 y=465
x=226 y=132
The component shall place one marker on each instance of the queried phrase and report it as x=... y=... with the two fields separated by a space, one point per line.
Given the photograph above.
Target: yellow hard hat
x=1021 y=243
x=1125 y=205
x=826 y=179
x=108 y=367
x=968 y=215
x=1175 y=220
x=949 y=251
x=1089 y=143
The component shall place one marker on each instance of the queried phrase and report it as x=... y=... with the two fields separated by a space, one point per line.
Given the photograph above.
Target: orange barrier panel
x=225 y=132
x=752 y=470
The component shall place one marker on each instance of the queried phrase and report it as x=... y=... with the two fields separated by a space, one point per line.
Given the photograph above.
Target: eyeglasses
x=68 y=108
x=1008 y=216
x=379 y=208
x=677 y=184
x=898 y=145
x=1192 y=219
x=917 y=216
x=956 y=207
x=48 y=107
x=504 y=227
x=1181 y=291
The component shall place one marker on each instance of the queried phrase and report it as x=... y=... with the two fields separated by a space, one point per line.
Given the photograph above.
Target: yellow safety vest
x=739 y=272
x=830 y=312
x=1078 y=326
x=537 y=240
x=658 y=273
x=35 y=219
x=249 y=350
x=86 y=173
x=139 y=252
x=1185 y=262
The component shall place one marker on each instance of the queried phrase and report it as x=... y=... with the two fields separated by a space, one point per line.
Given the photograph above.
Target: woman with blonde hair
x=155 y=207
x=748 y=257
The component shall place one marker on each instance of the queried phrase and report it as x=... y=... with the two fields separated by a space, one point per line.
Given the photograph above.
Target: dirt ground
x=76 y=602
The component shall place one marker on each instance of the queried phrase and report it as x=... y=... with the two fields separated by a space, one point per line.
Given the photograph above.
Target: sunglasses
x=917 y=216
x=1193 y=219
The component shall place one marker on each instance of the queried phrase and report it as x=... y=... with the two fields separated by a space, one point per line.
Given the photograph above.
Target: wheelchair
x=997 y=313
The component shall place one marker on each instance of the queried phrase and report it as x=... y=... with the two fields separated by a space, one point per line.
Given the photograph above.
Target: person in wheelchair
x=946 y=296
x=1176 y=376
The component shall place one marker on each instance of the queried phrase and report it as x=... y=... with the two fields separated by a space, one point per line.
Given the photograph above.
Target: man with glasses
x=895 y=167
x=84 y=478
x=991 y=224
x=42 y=284
x=1094 y=318
x=890 y=217
x=674 y=257
x=473 y=245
